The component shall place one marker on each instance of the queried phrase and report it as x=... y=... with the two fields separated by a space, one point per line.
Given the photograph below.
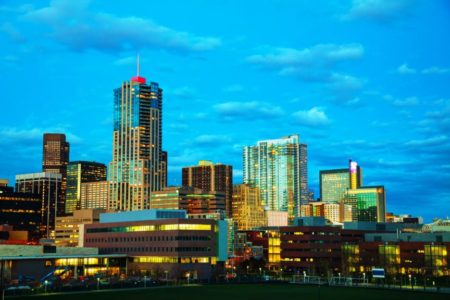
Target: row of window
x=147 y=239
x=154 y=249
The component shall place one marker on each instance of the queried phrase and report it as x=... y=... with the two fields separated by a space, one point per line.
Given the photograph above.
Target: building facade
x=193 y=200
x=48 y=187
x=211 y=177
x=136 y=169
x=334 y=183
x=248 y=211
x=367 y=203
x=79 y=172
x=170 y=247
x=279 y=169
x=55 y=157
x=21 y=210
x=94 y=194
x=69 y=230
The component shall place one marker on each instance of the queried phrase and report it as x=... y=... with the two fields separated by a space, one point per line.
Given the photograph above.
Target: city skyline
x=380 y=99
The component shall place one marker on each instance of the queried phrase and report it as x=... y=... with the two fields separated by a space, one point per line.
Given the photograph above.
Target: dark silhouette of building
x=55 y=160
x=20 y=210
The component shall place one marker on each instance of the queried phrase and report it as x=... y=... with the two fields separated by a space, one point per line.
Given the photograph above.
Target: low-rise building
x=177 y=247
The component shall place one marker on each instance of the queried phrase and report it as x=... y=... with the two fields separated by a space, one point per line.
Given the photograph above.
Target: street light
x=410 y=282
x=167 y=281
x=145 y=281
x=364 y=277
x=304 y=276
x=45 y=285
x=188 y=275
x=98 y=283
x=339 y=274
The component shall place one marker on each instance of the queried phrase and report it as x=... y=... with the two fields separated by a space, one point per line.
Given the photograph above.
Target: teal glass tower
x=279 y=169
x=136 y=168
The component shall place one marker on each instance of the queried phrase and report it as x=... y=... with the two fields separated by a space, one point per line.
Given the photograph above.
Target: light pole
x=339 y=274
x=167 y=281
x=145 y=281
x=364 y=277
x=410 y=282
x=98 y=283
x=304 y=276
x=45 y=285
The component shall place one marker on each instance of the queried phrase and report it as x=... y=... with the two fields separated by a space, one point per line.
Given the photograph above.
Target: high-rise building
x=79 y=172
x=136 y=169
x=193 y=200
x=334 y=183
x=55 y=158
x=248 y=211
x=368 y=203
x=211 y=177
x=164 y=164
x=278 y=168
x=94 y=194
x=48 y=187
x=20 y=210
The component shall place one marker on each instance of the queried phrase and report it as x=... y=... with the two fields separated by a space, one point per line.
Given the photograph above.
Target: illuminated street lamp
x=410 y=282
x=167 y=281
x=145 y=281
x=98 y=283
x=188 y=275
x=45 y=285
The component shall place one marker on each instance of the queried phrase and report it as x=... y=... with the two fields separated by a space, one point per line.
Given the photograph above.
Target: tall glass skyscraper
x=279 y=168
x=136 y=167
x=334 y=183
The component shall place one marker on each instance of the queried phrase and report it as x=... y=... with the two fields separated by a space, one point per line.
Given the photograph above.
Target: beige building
x=69 y=230
x=247 y=209
x=94 y=194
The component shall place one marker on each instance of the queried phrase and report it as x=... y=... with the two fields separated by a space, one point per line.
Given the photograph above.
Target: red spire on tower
x=138 y=78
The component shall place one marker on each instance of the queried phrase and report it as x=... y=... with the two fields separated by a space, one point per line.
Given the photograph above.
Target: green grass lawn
x=249 y=292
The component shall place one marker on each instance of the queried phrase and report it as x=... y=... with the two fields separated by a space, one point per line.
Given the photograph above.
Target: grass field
x=249 y=292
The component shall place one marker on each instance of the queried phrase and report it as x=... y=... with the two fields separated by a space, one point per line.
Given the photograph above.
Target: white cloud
x=248 y=110
x=314 y=117
x=78 y=29
x=404 y=69
x=436 y=70
x=380 y=11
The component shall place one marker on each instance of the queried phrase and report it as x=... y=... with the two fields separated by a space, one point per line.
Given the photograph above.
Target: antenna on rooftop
x=138 y=65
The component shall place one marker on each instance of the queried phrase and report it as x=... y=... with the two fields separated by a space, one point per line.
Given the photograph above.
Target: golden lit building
x=67 y=231
x=94 y=194
x=247 y=209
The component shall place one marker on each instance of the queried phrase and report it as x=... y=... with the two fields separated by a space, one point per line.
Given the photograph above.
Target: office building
x=193 y=200
x=55 y=158
x=368 y=203
x=48 y=187
x=334 y=183
x=211 y=177
x=69 y=230
x=136 y=170
x=248 y=211
x=279 y=169
x=79 y=172
x=161 y=240
x=94 y=194
x=21 y=210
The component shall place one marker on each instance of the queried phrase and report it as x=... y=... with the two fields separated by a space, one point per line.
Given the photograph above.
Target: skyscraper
x=248 y=211
x=368 y=203
x=334 y=183
x=55 y=159
x=136 y=169
x=79 y=172
x=278 y=168
x=48 y=187
x=211 y=177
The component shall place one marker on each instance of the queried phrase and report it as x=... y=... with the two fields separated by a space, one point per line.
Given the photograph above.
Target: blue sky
x=367 y=80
